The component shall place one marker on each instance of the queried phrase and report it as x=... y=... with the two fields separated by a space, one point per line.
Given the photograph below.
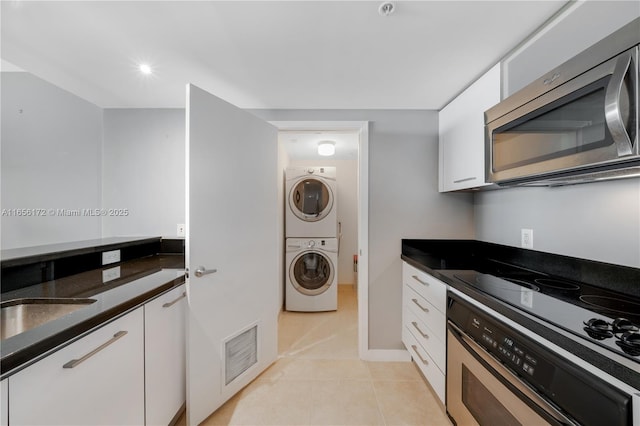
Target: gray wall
x=51 y=159
x=597 y=221
x=404 y=202
x=144 y=171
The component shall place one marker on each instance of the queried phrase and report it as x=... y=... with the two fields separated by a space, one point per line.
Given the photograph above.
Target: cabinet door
x=97 y=380
x=4 y=402
x=461 y=134
x=164 y=337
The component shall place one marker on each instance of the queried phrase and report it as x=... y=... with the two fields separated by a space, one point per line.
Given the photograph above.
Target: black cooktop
x=605 y=317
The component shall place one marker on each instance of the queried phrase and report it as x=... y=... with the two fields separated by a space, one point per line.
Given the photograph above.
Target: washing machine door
x=311 y=199
x=311 y=273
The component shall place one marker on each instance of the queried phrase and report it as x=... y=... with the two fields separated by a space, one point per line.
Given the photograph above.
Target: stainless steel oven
x=578 y=122
x=498 y=375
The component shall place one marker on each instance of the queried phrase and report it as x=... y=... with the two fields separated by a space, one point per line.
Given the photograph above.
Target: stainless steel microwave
x=578 y=123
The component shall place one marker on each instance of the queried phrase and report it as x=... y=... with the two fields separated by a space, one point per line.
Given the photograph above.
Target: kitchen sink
x=19 y=315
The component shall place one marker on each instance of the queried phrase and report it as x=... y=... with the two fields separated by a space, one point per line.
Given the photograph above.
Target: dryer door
x=311 y=199
x=311 y=273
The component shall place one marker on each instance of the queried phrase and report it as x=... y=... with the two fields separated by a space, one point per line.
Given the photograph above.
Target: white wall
x=347 y=199
x=403 y=202
x=51 y=159
x=144 y=171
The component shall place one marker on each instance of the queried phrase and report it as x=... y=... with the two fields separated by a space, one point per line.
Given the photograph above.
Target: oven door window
x=481 y=403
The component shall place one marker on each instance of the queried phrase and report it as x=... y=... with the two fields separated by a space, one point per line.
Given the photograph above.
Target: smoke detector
x=386 y=8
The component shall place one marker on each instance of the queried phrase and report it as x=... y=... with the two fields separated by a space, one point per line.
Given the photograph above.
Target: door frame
x=362 y=127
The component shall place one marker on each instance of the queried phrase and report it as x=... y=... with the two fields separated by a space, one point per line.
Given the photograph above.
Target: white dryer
x=311 y=207
x=312 y=274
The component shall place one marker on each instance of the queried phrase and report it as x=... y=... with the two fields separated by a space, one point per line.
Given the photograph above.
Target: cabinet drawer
x=427 y=338
x=99 y=379
x=433 y=290
x=425 y=363
x=425 y=312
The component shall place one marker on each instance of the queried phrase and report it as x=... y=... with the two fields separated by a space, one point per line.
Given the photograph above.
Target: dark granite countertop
x=140 y=281
x=445 y=258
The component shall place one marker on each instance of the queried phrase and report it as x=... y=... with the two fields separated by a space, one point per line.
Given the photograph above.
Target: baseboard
x=386 y=355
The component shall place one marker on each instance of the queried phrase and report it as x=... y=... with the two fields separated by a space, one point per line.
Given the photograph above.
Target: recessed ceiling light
x=145 y=69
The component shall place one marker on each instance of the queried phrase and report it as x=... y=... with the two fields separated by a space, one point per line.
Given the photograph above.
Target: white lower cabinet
x=97 y=380
x=4 y=402
x=424 y=324
x=164 y=339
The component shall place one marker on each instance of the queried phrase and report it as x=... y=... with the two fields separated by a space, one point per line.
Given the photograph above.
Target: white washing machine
x=312 y=274
x=311 y=207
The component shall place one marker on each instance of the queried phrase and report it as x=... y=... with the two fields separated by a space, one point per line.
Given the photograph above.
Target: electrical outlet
x=110 y=274
x=181 y=230
x=526 y=238
x=109 y=257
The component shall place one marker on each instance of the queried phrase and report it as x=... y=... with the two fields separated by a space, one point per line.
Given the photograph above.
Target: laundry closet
x=320 y=218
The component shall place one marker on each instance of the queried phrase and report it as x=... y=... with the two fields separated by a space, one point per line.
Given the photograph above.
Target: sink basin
x=20 y=315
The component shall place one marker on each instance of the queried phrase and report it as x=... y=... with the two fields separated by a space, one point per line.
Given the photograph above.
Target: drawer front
x=435 y=291
x=425 y=336
x=99 y=379
x=421 y=308
x=425 y=363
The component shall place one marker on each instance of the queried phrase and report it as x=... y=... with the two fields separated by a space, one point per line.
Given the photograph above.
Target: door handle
x=613 y=114
x=203 y=271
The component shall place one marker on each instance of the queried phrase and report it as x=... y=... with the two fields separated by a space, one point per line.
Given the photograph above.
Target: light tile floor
x=319 y=380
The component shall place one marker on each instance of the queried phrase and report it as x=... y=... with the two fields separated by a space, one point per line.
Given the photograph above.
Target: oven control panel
x=506 y=346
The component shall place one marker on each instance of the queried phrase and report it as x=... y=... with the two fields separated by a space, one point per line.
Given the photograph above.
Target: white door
x=232 y=217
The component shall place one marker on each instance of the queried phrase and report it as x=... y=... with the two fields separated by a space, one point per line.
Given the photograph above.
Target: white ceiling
x=266 y=54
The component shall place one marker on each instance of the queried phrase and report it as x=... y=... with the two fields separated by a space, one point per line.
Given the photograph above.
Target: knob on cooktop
x=620 y=325
x=629 y=341
x=598 y=328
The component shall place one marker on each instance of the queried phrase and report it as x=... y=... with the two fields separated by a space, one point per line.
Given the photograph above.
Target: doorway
x=297 y=144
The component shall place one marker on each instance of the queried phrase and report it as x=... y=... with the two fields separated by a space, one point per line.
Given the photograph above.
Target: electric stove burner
x=613 y=304
x=557 y=284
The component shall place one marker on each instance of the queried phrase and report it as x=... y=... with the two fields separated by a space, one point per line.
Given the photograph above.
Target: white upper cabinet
x=461 y=129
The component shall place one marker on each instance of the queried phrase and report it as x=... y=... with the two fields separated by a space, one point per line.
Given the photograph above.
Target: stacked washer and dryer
x=311 y=232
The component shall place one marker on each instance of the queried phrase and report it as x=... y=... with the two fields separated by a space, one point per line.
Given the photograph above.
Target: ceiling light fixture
x=326 y=148
x=386 y=8
x=145 y=69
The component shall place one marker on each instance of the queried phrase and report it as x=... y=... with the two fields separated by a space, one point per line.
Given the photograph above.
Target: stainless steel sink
x=20 y=315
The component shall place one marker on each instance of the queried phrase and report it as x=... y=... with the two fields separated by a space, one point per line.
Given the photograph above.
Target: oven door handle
x=509 y=376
